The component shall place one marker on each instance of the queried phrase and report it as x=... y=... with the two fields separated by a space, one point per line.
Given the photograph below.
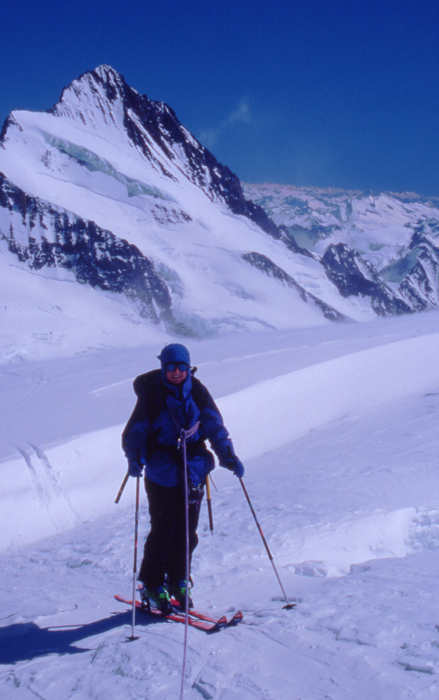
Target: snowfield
x=338 y=428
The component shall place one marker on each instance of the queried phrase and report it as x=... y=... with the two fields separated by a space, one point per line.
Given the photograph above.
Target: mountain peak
x=106 y=72
x=93 y=97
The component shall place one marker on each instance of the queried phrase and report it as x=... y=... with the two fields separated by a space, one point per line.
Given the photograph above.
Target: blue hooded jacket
x=152 y=433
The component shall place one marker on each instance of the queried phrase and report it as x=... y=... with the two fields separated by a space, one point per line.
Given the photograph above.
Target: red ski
x=205 y=623
x=236 y=619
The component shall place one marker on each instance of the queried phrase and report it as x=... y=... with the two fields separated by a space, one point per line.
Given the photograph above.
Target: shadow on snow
x=25 y=641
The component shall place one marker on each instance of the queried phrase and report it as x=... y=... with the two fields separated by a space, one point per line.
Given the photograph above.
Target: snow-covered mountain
x=113 y=217
x=109 y=190
x=383 y=247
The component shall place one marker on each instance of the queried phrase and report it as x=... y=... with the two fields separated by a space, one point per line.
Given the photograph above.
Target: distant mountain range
x=109 y=190
x=383 y=247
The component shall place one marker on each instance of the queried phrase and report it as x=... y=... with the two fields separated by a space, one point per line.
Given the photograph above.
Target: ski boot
x=177 y=592
x=158 y=597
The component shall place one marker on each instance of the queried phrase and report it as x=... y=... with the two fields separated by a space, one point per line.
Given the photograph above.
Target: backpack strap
x=198 y=393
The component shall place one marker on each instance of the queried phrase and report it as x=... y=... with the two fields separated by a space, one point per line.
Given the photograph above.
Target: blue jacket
x=152 y=432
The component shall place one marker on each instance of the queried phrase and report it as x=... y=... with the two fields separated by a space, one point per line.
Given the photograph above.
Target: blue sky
x=330 y=93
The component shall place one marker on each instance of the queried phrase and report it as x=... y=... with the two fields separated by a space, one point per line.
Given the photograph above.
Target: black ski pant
x=164 y=556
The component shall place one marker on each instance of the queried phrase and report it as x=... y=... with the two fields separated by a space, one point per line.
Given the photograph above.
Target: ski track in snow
x=350 y=510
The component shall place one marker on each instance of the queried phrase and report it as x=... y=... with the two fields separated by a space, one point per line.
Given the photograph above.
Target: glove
x=236 y=466
x=135 y=467
x=229 y=460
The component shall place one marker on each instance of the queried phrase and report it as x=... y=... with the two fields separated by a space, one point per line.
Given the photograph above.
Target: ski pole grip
x=124 y=483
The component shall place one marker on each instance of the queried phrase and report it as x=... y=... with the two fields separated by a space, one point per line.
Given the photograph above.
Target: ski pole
x=124 y=483
x=183 y=435
x=209 y=504
x=136 y=533
x=289 y=605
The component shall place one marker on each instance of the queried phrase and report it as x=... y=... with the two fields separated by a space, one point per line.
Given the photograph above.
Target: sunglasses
x=181 y=366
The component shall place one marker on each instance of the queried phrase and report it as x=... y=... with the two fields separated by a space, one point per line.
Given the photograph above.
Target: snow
x=79 y=159
x=337 y=426
x=48 y=314
x=380 y=227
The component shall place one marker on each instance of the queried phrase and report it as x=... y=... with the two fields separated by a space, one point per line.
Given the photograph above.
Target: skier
x=171 y=399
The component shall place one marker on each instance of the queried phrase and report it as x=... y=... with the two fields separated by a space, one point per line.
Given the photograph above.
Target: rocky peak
x=101 y=99
x=92 y=97
x=354 y=276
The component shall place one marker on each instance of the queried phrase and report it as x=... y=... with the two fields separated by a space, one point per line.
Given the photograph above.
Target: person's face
x=176 y=372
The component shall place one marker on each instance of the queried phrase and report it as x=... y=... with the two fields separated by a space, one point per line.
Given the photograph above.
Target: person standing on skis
x=171 y=399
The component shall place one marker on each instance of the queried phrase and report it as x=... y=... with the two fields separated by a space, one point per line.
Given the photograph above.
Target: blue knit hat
x=174 y=353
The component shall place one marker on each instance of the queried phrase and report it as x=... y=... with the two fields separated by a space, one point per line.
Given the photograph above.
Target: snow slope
x=346 y=492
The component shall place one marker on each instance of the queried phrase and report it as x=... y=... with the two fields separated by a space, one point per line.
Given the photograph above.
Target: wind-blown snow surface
x=338 y=427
